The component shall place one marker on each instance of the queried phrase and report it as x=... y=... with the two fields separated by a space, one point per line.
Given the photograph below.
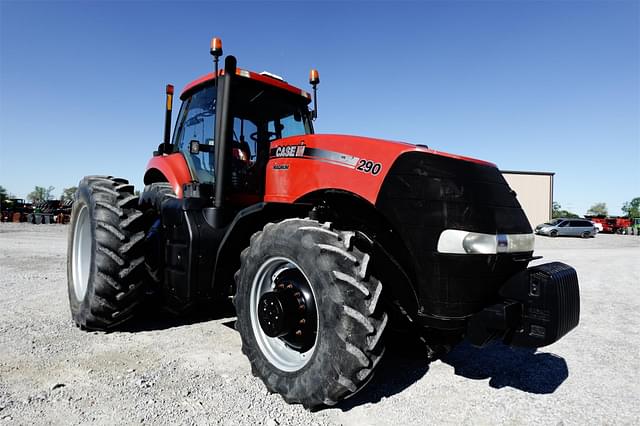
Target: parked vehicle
x=568 y=228
x=15 y=210
x=612 y=224
x=51 y=211
x=320 y=240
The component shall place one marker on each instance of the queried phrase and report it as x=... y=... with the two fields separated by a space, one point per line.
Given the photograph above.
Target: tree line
x=41 y=193
x=630 y=209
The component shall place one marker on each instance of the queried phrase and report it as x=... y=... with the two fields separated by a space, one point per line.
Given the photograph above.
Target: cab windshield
x=276 y=112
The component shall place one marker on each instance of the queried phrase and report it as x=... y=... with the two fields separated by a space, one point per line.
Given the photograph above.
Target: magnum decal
x=333 y=157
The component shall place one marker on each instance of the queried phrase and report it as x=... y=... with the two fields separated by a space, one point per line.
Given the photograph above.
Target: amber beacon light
x=216 y=51
x=314 y=80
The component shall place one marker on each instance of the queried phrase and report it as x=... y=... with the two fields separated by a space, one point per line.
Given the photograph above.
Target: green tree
x=40 y=193
x=557 y=211
x=68 y=193
x=632 y=208
x=598 y=209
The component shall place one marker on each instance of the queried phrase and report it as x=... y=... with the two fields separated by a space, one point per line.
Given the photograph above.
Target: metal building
x=535 y=193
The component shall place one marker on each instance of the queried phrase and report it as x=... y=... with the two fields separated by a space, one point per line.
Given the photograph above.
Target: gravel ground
x=164 y=371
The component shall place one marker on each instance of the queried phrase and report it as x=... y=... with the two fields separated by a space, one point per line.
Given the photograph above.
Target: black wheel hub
x=289 y=311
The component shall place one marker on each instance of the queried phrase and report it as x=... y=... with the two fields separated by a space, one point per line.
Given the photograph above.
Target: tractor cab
x=224 y=130
x=260 y=110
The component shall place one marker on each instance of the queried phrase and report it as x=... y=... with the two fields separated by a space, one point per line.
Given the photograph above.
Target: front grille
x=424 y=194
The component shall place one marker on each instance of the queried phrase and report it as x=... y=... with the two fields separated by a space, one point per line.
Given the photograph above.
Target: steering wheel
x=254 y=136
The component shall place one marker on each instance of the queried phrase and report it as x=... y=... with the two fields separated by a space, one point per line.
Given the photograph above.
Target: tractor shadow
x=152 y=318
x=519 y=368
x=406 y=362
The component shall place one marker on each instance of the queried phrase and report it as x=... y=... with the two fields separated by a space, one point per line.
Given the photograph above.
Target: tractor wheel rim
x=278 y=352
x=81 y=261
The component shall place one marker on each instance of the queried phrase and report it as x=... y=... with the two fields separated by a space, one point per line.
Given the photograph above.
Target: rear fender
x=170 y=168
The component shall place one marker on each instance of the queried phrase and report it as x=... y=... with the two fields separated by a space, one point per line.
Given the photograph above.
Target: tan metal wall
x=535 y=193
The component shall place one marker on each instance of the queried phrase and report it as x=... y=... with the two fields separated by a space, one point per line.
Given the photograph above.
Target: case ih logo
x=289 y=151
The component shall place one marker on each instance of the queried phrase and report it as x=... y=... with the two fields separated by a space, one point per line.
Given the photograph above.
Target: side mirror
x=195 y=147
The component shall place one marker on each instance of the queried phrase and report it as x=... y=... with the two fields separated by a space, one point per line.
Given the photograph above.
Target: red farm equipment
x=321 y=241
x=15 y=210
x=612 y=224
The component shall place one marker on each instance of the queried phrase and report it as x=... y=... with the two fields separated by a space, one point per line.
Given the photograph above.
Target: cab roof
x=207 y=78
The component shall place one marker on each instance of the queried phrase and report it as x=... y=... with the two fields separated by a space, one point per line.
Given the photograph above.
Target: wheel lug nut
x=290 y=286
x=301 y=307
x=299 y=333
x=302 y=321
x=296 y=294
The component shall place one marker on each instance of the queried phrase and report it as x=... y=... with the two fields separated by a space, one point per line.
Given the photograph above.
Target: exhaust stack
x=167 y=120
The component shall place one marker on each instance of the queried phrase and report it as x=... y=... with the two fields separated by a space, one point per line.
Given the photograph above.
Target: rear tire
x=105 y=259
x=586 y=234
x=150 y=204
x=350 y=323
x=154 y=195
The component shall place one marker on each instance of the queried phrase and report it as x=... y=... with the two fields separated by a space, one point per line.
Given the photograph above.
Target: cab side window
x=244 y=140
x=196 y=122
x=291 y=125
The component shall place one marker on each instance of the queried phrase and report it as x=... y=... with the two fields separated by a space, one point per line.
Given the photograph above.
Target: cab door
x=196 y=122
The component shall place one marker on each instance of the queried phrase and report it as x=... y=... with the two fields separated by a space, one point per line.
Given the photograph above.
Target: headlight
x=463 y=242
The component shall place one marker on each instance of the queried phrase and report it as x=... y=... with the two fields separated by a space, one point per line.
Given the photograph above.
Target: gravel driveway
x=164 y=371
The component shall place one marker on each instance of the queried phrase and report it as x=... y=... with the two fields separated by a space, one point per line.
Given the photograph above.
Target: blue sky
x=541 y=86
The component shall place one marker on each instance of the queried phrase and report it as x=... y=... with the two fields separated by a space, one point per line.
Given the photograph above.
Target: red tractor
x=613 y=224
x=321 y=241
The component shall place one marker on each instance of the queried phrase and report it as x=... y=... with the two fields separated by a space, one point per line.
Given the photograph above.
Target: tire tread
x=117 y=283
x=358 y=328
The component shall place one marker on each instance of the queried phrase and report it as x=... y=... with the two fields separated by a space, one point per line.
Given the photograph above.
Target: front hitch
x=541 y=304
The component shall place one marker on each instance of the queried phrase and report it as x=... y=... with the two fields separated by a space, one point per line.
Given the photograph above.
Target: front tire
x=105 y=258
x=285 y=266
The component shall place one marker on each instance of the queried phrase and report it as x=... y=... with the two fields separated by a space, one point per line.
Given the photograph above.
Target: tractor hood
x=355 y=143
x=351 y=163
